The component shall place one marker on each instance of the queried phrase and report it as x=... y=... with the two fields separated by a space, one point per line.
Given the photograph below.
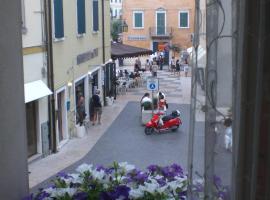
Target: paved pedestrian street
x=121 y=136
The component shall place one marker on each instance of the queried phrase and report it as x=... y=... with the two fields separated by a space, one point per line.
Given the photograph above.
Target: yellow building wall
x=181 y=36
x=65 y=52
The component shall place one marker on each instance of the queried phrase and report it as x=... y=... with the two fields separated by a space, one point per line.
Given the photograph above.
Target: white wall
x=116 y=6
x=33 y=64
x=33 y=36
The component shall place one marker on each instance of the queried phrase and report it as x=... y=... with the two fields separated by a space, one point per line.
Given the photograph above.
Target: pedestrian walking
x=154 y=69
x=147 y=65
x=138 y=62
x=96 y=103
x=161 y=61
x=186 y=70
x=178 y=68
x=80 y=114
x=172 y=64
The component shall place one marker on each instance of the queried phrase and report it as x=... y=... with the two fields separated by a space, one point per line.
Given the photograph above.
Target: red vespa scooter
x=166 y=123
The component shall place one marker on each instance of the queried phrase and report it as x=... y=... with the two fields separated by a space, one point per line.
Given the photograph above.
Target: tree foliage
x=115 y=29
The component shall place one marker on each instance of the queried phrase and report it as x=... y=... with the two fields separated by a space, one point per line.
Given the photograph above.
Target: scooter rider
x=160 y=94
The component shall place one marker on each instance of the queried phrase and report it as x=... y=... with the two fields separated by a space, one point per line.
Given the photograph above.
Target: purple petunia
x=153 y=168
x=141 y=177
x=63 y=175
x=168 y=173
x=100 y=168
x=182 y=195
x=80 y=196
x=161 y=182
x=42 y=195
x=217 y=181
x=120 y=191
x=109 y=170
x=177 y=169
x=122 y=181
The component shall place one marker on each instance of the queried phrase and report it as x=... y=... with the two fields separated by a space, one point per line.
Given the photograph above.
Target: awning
x=119 y=50
x=35 y=90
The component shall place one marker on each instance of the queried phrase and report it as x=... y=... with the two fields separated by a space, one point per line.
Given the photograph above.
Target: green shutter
x=160 y=23
x=95 y=16
x=138 y=20
x=81 y=16
x=58 y=19
x=183 y=19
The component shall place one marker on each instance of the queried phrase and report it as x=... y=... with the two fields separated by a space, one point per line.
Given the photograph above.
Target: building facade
x=159 y=24
x=35 y=77
x=81 y=49
x=116 y=8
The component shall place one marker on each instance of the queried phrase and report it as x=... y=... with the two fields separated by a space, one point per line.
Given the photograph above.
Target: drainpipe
x=50 y=74
x=103 y=32
x=103 y=45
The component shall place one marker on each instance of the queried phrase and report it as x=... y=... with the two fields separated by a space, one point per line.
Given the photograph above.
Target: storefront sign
x=81 y=58
x=137 y=37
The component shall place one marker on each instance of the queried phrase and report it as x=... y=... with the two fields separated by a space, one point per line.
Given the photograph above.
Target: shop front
x=159 y=46
x=81 y=97
x=36 y=106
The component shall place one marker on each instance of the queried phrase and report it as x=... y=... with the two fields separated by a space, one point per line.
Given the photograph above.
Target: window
x=58 y=19
x=81 y=17
x=95 y=16
x=115 y=13
x=138 y=22
x=183 y=19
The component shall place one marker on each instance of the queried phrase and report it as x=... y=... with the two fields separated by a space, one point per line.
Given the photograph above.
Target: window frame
x=138 y=12
x=179 y=19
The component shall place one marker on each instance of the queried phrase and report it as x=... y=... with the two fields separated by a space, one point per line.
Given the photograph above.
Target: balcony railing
x=161 y=32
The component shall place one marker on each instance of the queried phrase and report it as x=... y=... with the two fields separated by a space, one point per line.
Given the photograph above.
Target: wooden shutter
x=95 y=16
x=81 y=16
x=58 y=19
x=138 y=20
x=183 y=19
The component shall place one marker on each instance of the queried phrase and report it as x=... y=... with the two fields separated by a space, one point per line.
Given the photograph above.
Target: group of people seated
x=159 y=102
x=135 y=76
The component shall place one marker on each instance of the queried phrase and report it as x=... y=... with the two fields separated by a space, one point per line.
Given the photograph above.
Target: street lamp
x=124 y=26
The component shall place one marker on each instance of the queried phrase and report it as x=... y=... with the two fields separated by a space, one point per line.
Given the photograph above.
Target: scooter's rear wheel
x=175 y=129
x=148 y=130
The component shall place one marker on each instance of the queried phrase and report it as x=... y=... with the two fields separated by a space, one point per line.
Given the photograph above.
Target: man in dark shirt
x=97 y=107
